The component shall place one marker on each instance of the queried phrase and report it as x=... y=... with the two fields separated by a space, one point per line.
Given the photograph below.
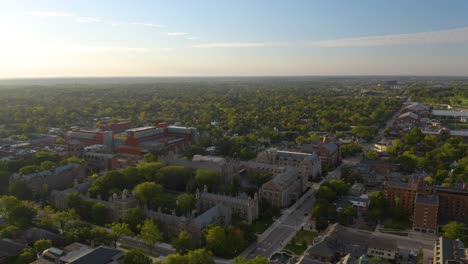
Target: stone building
x=243 y=205
x=309 y=164
x=115 y=205
x=56 y=178
x=171 y=225
x=284 y=188
x=228 y=168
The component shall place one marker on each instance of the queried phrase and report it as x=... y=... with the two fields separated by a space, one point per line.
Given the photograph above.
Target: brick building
x=404 y=193
x=428 y=207
x=425 y=213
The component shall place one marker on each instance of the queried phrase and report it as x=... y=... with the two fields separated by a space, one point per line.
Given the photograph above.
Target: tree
x=176 y=259
x=118 y=230
x=28 y=169
x=27 y=256
x=365 y=132
x=64 y=217
x=136 y=256
x=215 y=238
x=99 y=235
x=420 y=256
x=133 y=217
x=149 y=194
x=42 y=244
x=183 y=243
x=99 y=214
x=372 y=154
x=21 y=216
x=208 y=177
x=256 y=260
x=150 y=233
x=185 y=203
x=200 y=256
x=77 y=231
x=20 y=190
x=47 y=165
x=453 y=230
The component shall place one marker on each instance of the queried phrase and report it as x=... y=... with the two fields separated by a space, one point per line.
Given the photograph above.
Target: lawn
x=398 y=225
x=301 y=241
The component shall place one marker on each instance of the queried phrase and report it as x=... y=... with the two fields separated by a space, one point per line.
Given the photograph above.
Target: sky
x=71 y=38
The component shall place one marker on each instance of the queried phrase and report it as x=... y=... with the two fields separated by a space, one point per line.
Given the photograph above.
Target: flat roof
x=449 y=113
x=427 y=199
x=136 y=129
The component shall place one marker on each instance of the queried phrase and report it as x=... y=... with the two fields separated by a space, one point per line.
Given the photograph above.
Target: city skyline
x=241 y=38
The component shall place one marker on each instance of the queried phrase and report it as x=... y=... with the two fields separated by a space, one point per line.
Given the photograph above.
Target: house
x=9 y=249
x=338 y=241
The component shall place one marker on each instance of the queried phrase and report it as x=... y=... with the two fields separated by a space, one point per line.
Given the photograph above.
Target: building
x=97 y=157
x=77 y=253
x=284 y=188
x=428 y=207
x=115 y=205
x=421 y=110
x=171 y=225
x=133 y=141
x=402 y=193
x=137 y=141
x=78 y=138
x=9 y=249
x=309 y=164
x=453 y=204
x=425 y=213
x=228 y=168
x=328 y=149
x=338 y=241
x=244 y=206
x=448 y=251
x=56 y=178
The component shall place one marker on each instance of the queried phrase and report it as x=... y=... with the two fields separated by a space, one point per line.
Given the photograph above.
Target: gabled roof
x=410 y=115
x=10 y=248
x=100 y=255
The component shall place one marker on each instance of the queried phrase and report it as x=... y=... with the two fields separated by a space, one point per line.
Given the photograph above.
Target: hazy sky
x=233 y=37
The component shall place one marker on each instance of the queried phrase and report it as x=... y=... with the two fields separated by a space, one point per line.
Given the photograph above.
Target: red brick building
x=404 y=192
x=425 y=213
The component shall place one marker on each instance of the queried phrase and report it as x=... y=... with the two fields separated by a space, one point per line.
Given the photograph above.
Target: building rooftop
x=100 y=255
x=427 y=199
x=285 y=177
x=403 y=185
x=449 y=113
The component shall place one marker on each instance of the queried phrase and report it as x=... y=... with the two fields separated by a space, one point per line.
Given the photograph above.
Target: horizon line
x=224 y=76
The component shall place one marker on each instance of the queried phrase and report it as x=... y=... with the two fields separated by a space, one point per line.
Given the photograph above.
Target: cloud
x=77 y=48
x=176 y=33
x=50 y=14
x=70 y=16
x=192 y=38
x=458 y=35
x=91 y=49
x=147 y=24
x=230 y=45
